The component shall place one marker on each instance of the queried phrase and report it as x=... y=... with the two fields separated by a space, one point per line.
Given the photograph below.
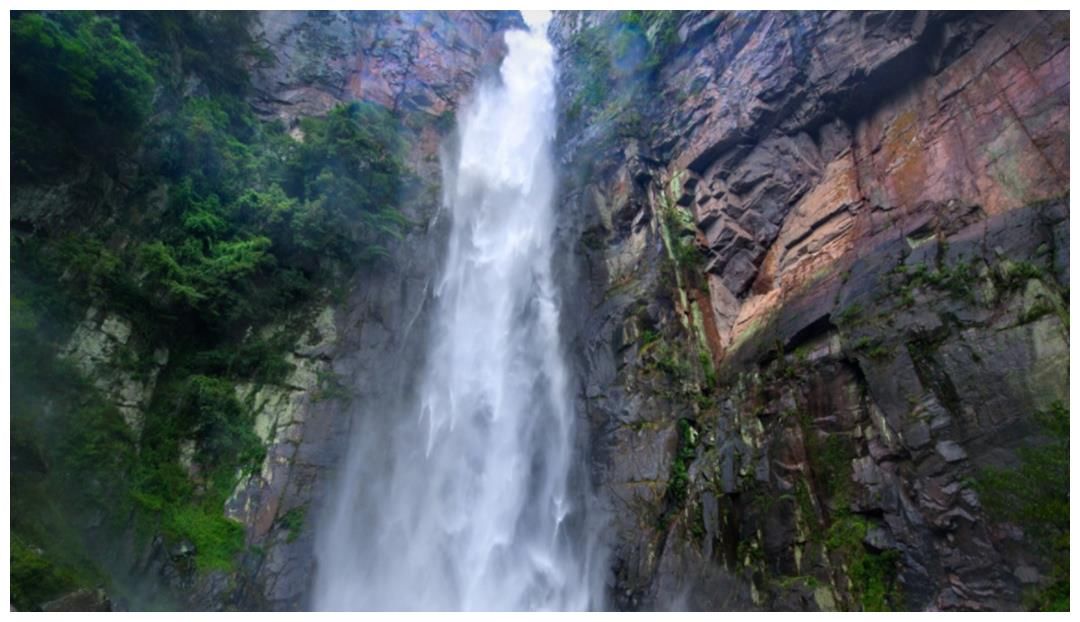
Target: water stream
x=475 y=502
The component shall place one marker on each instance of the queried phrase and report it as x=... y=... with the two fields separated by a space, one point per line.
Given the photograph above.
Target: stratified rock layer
x=876 y=306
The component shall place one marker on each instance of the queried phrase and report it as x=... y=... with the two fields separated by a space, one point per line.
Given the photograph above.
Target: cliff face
x=823 y=266
x=348 y=351
x=412 y=61
x=815 y=284
x=356 y=358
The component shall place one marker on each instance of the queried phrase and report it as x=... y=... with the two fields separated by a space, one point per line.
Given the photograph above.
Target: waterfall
x=472 y=497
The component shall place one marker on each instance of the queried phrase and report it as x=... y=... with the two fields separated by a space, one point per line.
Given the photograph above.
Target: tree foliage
x=77 y=77
x=229 y=224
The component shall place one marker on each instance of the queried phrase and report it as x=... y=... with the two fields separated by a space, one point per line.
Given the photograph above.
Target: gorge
x=622 y=310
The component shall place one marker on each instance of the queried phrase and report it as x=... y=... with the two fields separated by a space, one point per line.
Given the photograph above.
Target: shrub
x=34 y=578
x=216 y=539
x=872 y=574
x=348 y=173
x=79 y=88
x=217 y=46
x=218 y=421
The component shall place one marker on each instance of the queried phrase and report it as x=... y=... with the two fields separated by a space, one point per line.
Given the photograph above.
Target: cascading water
x=468 y=499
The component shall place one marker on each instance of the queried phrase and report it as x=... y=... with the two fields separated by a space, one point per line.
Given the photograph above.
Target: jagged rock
x=860 y=183
x=950 y=451
x=419 y=64
x=404 y=60
x=99 y=346
x=80 y=600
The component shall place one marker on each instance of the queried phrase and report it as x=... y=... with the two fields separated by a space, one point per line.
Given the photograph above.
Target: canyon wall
x=822 y=266
x=814 y=272
x=349 y=351
x=360 y=354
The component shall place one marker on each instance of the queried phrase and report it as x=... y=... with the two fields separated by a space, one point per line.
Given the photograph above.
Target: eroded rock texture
x=355 y=358
x=351 y=352
x=821 y=272
x=405 y=60
x=815 y=271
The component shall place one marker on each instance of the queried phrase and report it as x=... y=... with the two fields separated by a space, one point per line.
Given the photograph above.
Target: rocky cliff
x=822 y=261
x=333 y=346
x=420 y=65
x=815 y=284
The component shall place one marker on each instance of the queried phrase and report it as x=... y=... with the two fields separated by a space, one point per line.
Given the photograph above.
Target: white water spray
x=465 y=501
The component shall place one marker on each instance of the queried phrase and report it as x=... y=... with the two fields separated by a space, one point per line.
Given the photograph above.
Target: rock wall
x=821 y=269
x=353 y=351
x=356 y=357
x=815 y=272
x=408 y=61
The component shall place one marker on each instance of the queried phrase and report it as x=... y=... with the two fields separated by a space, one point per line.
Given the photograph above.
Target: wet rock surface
x=419 y=64
x=815 y=278
x=873 y=311
x=422 y=61
x=80 y=600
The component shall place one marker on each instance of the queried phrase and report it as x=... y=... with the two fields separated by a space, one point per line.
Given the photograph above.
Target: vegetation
x=228 y=225
x=1035 y=496
x=591 y=64
x=956 y=279
x=679 y=480
x=293 y=522
x=659 y=29
x=36 y=579
x=67 y=445
x=217 y=46
x=80 y=89
x=873 y=348
x=628 y=48
x=849 y=316
x=872 y=575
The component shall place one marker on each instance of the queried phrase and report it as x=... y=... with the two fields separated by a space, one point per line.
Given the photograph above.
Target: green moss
x=831 y=463
x=293 y=522
x=807 y=509
x=678 y=482
x=205 y=410
x=872 y=574
x=330 y=387
x=217 y=539
x=1015 y=274
x=36 y=579
x=849 y=316
x=1036 y=497
x=1042 y=307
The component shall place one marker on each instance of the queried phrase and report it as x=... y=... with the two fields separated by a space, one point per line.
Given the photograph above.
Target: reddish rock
x=859 y=180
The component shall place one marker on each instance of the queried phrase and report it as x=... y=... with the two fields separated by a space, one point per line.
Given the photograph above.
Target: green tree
x=79 y=87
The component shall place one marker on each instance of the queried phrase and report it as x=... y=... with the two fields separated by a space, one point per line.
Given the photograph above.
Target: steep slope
x=203 y=307
x=814 y=272
x=822 y=260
